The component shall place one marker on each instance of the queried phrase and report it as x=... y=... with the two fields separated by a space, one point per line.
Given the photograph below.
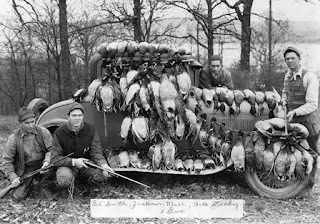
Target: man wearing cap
x=27 y=149
x=300 y=95
x=215 y=75
x=82 y=139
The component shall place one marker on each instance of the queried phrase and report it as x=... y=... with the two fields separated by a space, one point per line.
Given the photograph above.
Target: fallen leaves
x=257 y=209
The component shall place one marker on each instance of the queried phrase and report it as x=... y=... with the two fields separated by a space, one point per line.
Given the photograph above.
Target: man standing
x=27 y=149
x=215 y=75
x=82 y=139
x=300 y=94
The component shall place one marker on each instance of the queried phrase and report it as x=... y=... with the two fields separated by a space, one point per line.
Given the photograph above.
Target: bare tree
x=244 y=16
x=30 y=15
x=211 y=20
x=85 y=36
x=260 y=52
x=64 y=43
x=18 y=80
x=142 y=20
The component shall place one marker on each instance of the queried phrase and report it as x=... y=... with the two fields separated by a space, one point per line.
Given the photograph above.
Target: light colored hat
x=291 y=49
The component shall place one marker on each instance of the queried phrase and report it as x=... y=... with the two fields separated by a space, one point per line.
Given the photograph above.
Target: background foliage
x=46 y=45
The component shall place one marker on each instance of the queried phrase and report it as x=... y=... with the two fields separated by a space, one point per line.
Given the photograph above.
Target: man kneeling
x=82 y=139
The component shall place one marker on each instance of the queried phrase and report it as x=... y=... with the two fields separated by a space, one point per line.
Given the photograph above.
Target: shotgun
x=114 y=173
x=5 y=190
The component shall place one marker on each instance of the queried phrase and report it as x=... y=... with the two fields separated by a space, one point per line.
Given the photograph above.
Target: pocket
x=39 y=153
x=38 y=148
x=294 y=87
x=312 y=126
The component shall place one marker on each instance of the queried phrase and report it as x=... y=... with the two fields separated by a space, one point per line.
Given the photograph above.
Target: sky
x=282 y=9
x=292 y=9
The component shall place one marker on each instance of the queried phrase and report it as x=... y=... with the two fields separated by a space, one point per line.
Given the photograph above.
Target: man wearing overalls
x=301 y=95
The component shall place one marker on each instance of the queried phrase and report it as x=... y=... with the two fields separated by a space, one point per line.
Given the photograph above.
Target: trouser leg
x=65 y=176
x=48 y=177
x=23 y=190
x=91 y=176
x=313 y=143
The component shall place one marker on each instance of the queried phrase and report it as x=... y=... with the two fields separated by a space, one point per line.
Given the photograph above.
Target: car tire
x=291 y=190
x=38 y=105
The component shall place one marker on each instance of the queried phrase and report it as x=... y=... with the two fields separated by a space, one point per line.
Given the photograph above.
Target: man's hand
x=79 y=163
x=107 y=169
x=290 y=115
x=16 y=182
x=44 y=165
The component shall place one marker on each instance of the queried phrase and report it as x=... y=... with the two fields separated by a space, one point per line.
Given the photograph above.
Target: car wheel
x=38 y=105
x=268 y=185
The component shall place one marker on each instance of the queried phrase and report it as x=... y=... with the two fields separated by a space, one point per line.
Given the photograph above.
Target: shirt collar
x=294 y=75
x=25 y=133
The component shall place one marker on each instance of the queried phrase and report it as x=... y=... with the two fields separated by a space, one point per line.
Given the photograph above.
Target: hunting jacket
x=20 y=151
x=84 y=144
x=208 y=80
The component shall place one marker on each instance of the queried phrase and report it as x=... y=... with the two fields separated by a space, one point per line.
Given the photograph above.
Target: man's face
x=216 y=66
x=28 y=124
x=292 y=60
x=76 y=118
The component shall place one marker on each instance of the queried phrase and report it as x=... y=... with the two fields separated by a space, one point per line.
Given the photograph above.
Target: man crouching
x=27 y=150
x=82 y=139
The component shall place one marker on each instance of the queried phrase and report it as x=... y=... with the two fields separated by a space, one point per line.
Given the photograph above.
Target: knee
x=18 y=197
x=64 y=177
x=97 y=177
x=20 y=194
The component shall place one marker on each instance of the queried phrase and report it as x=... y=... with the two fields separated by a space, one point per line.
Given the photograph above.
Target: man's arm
x=204 y=79
x=47 y=139
x=8 y=158
x=227 y=79
x=311 y=84
x=96 y=154
x=57 y=153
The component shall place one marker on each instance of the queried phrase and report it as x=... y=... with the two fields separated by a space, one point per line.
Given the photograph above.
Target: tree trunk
x=210 y=32
x=86 y=67
x=136 y=21
x=65 y=55
x=246 y=36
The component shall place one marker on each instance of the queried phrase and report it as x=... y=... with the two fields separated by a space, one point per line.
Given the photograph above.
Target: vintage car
x=108 y=124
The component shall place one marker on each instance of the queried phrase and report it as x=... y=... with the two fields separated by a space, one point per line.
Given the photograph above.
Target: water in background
x=310 y=58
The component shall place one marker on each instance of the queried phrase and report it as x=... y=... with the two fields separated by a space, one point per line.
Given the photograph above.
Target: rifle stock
x=5 y=190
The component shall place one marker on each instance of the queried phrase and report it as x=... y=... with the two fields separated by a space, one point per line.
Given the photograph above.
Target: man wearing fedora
x=215 y=75
x=300 y=95
x=80 y=138
x=27 y=149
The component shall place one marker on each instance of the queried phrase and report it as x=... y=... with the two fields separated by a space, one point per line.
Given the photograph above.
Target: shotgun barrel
x=5 y=190
x=116 y=174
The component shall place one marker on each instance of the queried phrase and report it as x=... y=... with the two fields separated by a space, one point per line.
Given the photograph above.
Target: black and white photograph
x=159 y=111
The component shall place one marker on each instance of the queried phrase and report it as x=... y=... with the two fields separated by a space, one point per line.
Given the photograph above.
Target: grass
x=8 y=124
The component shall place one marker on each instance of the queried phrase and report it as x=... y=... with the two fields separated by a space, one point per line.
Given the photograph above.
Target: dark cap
x=75 y=106
x=291 y=49
x=216 y=58
x=25 y=113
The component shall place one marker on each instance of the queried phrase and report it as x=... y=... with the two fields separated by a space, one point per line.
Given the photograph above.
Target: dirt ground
x=61 y=207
